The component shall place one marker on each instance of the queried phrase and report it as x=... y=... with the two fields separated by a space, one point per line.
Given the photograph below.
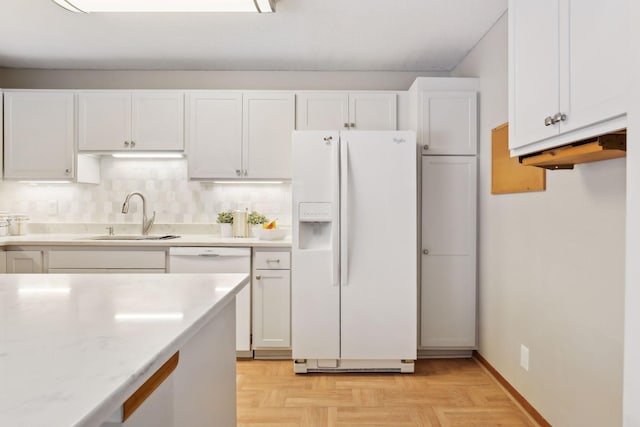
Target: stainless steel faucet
x=146 y=223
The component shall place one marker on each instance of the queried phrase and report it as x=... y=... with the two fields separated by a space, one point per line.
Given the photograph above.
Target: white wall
x=551 y=270
x=167 y=190
x=632 y=316
x=276 y=80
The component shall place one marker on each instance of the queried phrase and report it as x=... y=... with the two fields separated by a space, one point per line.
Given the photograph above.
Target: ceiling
x=323 y=35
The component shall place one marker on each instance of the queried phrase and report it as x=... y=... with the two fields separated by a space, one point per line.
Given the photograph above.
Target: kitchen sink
x=132 y=237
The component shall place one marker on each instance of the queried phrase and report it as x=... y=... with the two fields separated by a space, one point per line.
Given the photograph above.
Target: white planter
x=225 y=230
x=254 y=230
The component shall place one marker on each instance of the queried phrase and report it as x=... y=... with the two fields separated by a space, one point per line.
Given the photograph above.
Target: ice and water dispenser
x=315 y=225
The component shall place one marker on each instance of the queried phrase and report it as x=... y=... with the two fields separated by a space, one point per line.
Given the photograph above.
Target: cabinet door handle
x=548 y=121
x=346 y=125
x=425 y=251
x=258 y=277
x=133 y=144
x=126 y=143
x=273 y=260
x=238 y=172
x=352 y=125
x=558 y=117
x=268 y=277
x=246 y=172
x=67 y=171
x=425 y=147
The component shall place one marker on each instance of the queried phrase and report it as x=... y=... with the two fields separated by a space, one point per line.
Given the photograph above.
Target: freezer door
x=379 y=245
x=315 y=291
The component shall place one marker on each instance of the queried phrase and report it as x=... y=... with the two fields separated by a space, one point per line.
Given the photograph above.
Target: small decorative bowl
x=272 y=234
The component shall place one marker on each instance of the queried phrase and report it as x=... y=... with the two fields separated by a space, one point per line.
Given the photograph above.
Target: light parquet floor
x=442 y=393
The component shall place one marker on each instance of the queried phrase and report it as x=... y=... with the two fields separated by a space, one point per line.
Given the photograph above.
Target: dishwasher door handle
x=209 y=255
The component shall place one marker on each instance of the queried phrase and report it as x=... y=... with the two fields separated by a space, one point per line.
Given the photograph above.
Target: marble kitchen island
x=81 y=350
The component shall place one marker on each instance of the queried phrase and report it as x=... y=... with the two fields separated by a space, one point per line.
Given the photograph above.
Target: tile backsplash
x=165 y=185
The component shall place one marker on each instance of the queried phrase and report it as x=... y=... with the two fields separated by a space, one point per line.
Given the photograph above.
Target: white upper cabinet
x=39 y=135
x=144 y=120
x=335 y=110
x=214 y=134
x=533 y=72
x=326 y=110
x=268 y=120
x=240 y=134
x=448 y=122
x=444 y=114
x=568 y=71
x=373 y=111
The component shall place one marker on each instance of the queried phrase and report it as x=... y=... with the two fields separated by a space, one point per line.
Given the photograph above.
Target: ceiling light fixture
x=35 y=182
x=87 y=6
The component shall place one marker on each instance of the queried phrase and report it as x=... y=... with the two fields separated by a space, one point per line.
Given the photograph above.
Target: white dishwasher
x=220 y=260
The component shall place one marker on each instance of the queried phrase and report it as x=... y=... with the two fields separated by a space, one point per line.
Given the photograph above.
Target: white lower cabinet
x=448 y=284
x=271 y=299
x=24 y=262
x=102 y=261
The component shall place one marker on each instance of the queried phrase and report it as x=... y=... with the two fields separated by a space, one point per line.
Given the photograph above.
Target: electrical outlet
x=52 y=208
x=524 y=357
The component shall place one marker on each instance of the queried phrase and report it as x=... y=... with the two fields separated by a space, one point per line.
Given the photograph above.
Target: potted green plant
x=225 y=219
x=255 y=220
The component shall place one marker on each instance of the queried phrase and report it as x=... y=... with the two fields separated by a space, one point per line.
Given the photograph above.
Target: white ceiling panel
x=381 y=35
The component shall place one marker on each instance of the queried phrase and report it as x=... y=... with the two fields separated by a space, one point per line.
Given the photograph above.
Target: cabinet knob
x=126 y=143
x=238 y=172
x=352 y=125
x=425 y=251
x=67 y=171
x=246 y=173
x=258 y=277
x=548 y=121
x=133 y=144
x=346 y=125
x=425 y=147
x=558 y=117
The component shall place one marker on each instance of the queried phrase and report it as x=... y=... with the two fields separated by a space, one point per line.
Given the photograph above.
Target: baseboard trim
x=511 y=390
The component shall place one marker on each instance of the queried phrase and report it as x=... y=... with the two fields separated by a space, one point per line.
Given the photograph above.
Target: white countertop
x=66 y=239
x=66 y=359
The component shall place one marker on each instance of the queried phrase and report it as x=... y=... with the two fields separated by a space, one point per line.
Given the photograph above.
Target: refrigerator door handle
x=344 y=211
x=335 y=196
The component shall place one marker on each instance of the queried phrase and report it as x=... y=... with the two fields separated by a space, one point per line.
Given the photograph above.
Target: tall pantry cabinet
x=444 y=115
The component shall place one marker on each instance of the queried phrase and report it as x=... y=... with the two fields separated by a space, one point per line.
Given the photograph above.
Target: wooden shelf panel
x=507 y=174
x=604 y=147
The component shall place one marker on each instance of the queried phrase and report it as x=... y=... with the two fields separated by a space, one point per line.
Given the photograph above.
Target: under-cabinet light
x=44 y=182
x=148 y=155
x=86 y=6
x=247 y=182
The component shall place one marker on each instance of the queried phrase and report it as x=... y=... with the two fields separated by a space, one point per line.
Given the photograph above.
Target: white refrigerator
x=354 y=255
